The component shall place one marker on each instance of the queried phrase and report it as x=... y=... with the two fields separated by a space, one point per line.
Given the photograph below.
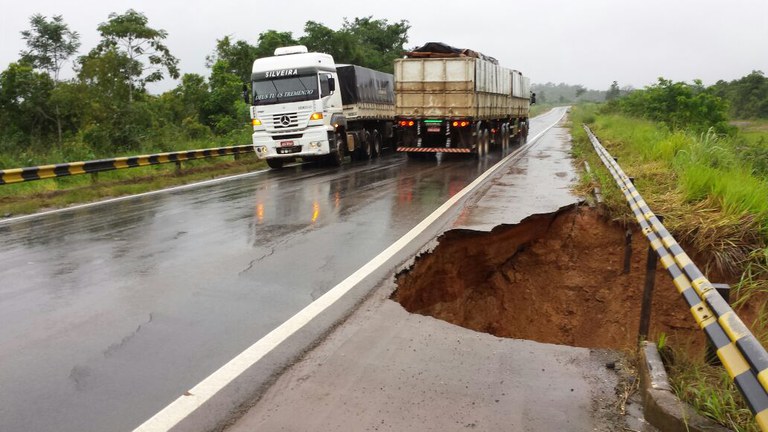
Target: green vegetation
x=711 y=392
x=708 y=177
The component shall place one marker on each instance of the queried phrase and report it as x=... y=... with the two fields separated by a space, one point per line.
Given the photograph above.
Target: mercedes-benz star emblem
x=285 y=120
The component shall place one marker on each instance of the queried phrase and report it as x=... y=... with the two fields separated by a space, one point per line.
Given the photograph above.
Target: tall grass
x=713 y=191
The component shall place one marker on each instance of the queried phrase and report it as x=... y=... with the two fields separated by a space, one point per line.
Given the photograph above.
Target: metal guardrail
x=17 y=175
x=742 y=355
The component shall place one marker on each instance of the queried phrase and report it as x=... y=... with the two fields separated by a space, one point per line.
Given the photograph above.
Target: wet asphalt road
x=108 y=313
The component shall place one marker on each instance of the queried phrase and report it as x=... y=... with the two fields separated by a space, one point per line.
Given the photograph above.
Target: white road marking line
x=185 y=405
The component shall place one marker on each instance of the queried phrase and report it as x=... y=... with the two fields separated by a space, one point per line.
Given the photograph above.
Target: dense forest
x=106 y=110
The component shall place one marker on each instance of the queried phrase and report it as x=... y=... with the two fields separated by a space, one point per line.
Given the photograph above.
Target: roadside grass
x=712 y=192
x=711 y=392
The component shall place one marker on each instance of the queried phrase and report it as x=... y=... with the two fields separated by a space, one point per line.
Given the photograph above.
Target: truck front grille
x=285 y=121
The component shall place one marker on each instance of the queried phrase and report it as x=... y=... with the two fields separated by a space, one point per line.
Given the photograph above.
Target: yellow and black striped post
x=742 y=355
x=17 y=175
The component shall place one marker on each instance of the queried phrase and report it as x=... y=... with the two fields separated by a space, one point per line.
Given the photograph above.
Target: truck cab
x=295 y=108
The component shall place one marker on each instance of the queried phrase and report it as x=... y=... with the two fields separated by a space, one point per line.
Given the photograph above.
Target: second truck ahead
x=304 y=105
x=458 y=101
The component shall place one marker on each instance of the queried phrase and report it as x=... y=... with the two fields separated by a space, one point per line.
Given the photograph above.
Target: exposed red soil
x=555 y=278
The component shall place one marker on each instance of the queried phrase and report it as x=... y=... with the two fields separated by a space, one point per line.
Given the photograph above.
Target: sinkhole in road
x=555 y=278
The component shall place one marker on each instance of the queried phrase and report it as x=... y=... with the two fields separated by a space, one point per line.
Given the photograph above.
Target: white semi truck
x=304 y=105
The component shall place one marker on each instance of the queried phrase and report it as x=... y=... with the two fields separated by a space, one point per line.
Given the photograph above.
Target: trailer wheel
x=336 y=157
x=275 y=163
x=485 y=142
x=477 y=142
x=367 y=147
x=376 y=151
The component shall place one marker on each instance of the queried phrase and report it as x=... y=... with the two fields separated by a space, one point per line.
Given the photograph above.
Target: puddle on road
x=554 y=278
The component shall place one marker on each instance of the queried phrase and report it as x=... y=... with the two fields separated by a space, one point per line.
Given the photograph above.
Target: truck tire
x=477 y=142
x=366 y=148
x=336 y=157
x=484 y=143
x=275 y=163
x=376 y=151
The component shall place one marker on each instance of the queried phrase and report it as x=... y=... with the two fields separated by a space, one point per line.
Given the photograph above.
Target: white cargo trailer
x=457 y=101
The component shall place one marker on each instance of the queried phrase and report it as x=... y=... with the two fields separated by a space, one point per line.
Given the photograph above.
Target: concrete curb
x=661 y=407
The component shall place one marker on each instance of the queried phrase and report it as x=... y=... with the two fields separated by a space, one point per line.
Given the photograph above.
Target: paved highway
x=109 y=312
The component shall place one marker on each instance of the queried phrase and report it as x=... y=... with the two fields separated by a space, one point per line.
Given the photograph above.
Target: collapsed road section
x=555 y=278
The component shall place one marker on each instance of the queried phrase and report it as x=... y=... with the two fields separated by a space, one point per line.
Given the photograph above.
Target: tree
x=50 y=44
x=380 y=42
x=129 y=34
x=679 y=105
x=340 y=44
x=221 y=108
x=363 y=41
x=239 y=55
x=271 y=39
x=24 y=106
x=747 y=95
x=613 y=92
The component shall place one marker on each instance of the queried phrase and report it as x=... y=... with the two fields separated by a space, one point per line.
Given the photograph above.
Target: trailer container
x=458 y=101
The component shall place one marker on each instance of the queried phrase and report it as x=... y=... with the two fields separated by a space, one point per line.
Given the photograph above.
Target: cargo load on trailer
x=304 y=105
x=451 y=100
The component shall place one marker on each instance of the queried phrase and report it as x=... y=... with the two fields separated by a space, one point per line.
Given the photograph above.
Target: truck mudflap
x=434 y=150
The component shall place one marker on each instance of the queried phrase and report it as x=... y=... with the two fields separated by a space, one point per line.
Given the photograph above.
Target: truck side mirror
x=533 y=98
x=331 y=84
x=245 y=94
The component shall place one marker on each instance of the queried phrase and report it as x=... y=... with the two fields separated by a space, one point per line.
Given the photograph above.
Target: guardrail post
x=650 y=281
x=710 y=355
x=627 y=250
x=178 y=166
x=94 y=177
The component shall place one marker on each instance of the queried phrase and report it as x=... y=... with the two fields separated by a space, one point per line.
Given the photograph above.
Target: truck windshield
x=292 y=89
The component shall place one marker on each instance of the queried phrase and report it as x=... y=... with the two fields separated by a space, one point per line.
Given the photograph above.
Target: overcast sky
x=588 y=42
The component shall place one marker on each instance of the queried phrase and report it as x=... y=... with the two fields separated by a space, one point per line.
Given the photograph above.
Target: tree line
x=693 y=106
x=105 y=109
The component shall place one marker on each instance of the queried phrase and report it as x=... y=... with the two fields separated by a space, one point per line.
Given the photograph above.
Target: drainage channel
x=555 y=278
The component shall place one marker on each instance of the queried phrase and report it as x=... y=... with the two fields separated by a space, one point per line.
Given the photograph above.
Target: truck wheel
x=275 y=163
x=376 y=151
x=485 y=142
x=336 y=157
x=477 y=143
x=366 y=149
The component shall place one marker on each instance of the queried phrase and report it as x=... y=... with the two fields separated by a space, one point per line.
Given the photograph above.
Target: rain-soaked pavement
x=108 y=313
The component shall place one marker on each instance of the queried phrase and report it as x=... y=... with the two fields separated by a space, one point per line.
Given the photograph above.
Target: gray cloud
x=588 y=42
